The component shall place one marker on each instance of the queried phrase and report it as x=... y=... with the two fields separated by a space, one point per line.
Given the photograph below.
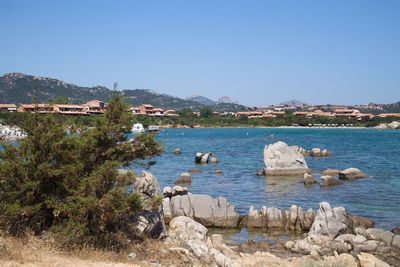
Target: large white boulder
x=283 y=160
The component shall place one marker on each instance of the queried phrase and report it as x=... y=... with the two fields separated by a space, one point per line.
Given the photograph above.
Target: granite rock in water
x=327 y=181
x=351 y=174
x=283 y=160
x=184 y=178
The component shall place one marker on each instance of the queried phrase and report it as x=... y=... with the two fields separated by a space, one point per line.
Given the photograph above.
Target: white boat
x=153 y=128
x=137 y=128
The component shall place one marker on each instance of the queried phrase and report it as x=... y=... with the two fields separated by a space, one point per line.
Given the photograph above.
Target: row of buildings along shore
x=99 y=107
x=92 y=107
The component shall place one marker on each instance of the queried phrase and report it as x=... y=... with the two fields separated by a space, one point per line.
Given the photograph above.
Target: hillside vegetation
x=21 y=88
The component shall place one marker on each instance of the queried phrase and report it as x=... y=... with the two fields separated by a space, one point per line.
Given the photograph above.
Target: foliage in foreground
x=69 y=184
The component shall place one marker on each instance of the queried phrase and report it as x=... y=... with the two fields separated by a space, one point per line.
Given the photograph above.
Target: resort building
x=8 y=108
x=38 y=108
x=95 y=107
x=150 y=110
x=69 y=109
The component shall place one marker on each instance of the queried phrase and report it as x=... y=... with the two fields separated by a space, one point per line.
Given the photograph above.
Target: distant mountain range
x=21 y=88
x=208 y=102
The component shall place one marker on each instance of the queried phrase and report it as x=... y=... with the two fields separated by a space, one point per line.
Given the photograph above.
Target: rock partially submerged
x=351 y=174
x=203 y=158
x=203 y=209
x=331 y=172
x=328 y=181
x=185 y=178
x=309 y=179
x=282 y=160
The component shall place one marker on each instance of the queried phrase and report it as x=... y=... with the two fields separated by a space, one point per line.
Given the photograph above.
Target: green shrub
x=69 y=184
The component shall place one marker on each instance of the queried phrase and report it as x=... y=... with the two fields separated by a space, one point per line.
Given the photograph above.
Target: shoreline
x=262 y=127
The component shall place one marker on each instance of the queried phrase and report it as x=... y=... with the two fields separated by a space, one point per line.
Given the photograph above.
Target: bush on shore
x=69 y=185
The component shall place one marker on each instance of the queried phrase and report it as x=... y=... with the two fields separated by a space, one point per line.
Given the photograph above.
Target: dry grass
x=32 y=251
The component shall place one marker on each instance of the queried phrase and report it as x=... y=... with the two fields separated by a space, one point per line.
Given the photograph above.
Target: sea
x=240 y=154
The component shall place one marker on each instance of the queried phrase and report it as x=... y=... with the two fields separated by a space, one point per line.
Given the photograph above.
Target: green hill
x=21 y=88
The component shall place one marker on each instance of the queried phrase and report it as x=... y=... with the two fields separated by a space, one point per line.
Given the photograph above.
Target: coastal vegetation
x=69 y=185
x=206 y=119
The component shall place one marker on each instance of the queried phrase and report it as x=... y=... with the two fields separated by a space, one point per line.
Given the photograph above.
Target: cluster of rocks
x=391 y=126
x=177 y=190
x=190 y=240
x=294 y=219
x=202 y=158
x=11 y=133
x=315 y=152
x=335 y=231
x=332 y=177
x=203 y=209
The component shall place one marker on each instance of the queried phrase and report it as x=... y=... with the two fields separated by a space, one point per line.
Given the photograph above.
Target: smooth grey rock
x=353 y=239
x=368 y=246
x=381 y=235
x=280 y=159
x=351 y=174
x=205 y=210
x=177 y=151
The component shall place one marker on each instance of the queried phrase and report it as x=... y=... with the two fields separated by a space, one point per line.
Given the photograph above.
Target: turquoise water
x=377 y=153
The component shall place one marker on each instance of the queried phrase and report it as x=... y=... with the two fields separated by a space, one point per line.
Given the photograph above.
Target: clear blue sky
x=257 y=52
